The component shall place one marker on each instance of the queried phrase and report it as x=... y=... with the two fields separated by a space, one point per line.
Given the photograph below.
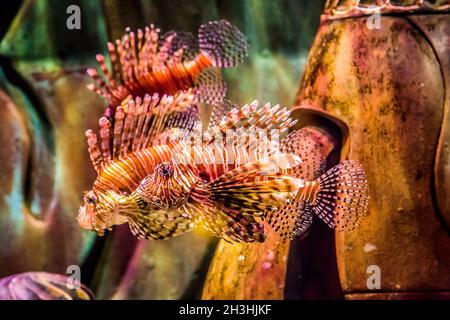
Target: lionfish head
x=100 y=211
x=169 y=186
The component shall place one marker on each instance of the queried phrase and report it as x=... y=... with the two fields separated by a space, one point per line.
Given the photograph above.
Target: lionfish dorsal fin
x=255 y=129
x=306 y=144
x=219 y=110
x=255 y=116
x=139 y=124
x=132 y=58
x=163 y=54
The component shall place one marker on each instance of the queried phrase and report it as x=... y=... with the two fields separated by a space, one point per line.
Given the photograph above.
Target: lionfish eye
x=89 y=198
x=165 y=169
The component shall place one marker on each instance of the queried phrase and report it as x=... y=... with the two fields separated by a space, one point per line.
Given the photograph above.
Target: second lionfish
x=146 y=63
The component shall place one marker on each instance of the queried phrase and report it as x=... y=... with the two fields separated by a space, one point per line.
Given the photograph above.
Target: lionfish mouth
x=83 y=219
x=85 y=222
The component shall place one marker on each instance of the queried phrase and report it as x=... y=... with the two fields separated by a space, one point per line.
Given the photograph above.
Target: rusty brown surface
x=44 y=151
x=340 y=9
x=438 y=33
x=248 y=271
x=387 y=86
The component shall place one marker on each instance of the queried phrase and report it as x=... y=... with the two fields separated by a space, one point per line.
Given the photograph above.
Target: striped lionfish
x=165 y=190
x=145 y=63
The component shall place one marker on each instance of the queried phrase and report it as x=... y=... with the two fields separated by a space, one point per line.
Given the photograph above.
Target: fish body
x=126 y=175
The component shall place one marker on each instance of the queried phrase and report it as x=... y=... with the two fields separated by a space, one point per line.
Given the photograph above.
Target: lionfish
x=145 y=63
x=166 y=190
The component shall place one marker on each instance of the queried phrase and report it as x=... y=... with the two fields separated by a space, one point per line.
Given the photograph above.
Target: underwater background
x=380 y=97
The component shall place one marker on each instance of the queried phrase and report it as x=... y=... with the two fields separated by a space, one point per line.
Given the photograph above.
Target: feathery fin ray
x=144 y=62
x=145 y=123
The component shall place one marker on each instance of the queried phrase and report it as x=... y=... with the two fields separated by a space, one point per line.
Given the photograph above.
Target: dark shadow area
x=7 y=14
x=195 y=287
x=92 y=260
x=312 y=268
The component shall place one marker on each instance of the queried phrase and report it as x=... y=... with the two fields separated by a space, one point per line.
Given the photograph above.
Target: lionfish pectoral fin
x=210 y=86
x=255 y=197
x=343 y=196
x=237 y=200
x=265 y=167
x=230 y=224
x=160 y=225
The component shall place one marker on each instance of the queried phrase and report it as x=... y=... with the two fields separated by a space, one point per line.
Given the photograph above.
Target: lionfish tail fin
x=223 y=43
x=343 y=196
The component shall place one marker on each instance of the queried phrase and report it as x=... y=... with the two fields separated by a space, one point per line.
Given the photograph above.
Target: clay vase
x=386 y=81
